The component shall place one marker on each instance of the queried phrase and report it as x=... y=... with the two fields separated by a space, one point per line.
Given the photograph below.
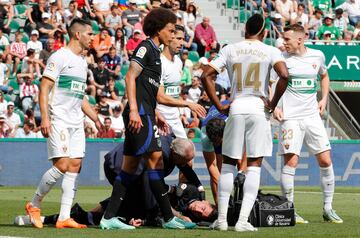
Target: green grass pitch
x=308 y=203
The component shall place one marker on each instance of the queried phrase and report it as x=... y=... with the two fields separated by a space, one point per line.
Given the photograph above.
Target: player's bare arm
x=135 y=121
x=45 y=87
x=91 y=113
x=162 y=98
x=208 y=75
x=325 y=84
x=281 y=69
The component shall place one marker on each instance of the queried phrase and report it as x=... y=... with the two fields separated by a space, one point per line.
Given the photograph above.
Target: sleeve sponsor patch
x=50 y=66
x=141 y=52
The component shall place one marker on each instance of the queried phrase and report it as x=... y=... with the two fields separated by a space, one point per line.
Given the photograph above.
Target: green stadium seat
x=20 y=11
x=120 y=86
x=14 y=84
x=244 y=15
x=194 y=56
x=91 y=100
x=14 y=26
x=124 y=69
x=269 y=41
x=67 y=38
x=7 y=97
x=95 y=27
x=339 y=2
x=25 y=38
x=350 y=28
x=232 y=4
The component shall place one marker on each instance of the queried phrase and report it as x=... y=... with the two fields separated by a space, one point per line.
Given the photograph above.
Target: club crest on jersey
x=286 y=146
x=51 y=66
x=141 y=52
x=64 y=148
x=314 y=66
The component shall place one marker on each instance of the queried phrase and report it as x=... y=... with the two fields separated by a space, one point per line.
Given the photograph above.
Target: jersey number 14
x=252 y=76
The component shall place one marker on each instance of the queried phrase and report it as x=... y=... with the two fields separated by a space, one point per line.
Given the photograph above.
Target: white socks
x=251 y=187
x=47 y=181
x=287 y=182
x=226 y=184
x=327 y=181
x=68 y=187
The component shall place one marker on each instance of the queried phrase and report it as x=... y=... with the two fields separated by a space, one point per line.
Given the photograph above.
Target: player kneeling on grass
x=300 y=120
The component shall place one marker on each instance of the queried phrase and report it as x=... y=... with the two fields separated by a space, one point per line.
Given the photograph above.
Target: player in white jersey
x=171 y=70
x=248 y=127
x=62 y=107
x=300 y=119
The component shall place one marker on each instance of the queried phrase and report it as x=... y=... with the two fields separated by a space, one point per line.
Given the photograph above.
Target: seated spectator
x=45 y=28
x=4 y=75
x=285 y=8
x=34 y=14
x=33 y=117
x=101 y=76
x=191 y=134
x=300 y=17
x=29 y=93
x=133 y=42
x=185 y=113
x=17 y=51
x=205 y=101
x=71 y=13
x=59 y=40
x=104 y=107
x=315 y=23
x=84 y=7
x=144 y=6
x=352 y=7
x=328 y=26
x=47 y=51
x=31 y=64
x=108 y=132
x=6 y=13
x=347 y=39
x=340 y=22
x=112 y=94
x=113 y=63
x=119 y=42
x=3 y=104
x=5 y=127
x=118 y=122
x=190 y=15
x=326 y=39
x=34 y=43
x=102 y=9
x=184 y=55
x=357 y=36
x=102 y=43
x=130 y=17
x=57 y=19
x=12 y=118
x=205 y=37
x=194 y=91
x=26 y=131
x=113 y=21
x=4 y=43
x=323 y=5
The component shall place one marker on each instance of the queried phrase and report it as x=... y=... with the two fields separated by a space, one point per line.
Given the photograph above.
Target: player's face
x=177 y=43
x=201 y=209
x=291 y=41
x=86 y=37
x=167 y=34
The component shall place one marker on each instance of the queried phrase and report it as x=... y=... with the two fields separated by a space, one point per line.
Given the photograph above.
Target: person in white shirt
x=117 y=122
x=102 y=9
x=299 y=115
x=4 y=75
x=12 y=118
x=34 y=43
x=26 y=131
x=352 y=7
x=3 y=104
x=194 y=91
x=248 y=63
x=300 y=17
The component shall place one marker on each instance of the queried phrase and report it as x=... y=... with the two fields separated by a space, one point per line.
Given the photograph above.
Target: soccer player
x=171 y=68
x=300 y=119
x=144 y=90
x=248 y=127
x=62 y=107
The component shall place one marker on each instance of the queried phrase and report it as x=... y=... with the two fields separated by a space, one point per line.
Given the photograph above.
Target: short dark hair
x=301 y=5
x=215 y=129
x=156 y=20
x=339 y=11
x=179 y=28
x=295 y=27
x=113 y=7
x=77 y=21
x=255 y=25
x=107 y=118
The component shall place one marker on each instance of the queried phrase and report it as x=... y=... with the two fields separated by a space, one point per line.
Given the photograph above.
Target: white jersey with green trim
x=299 y=100
x=248 y=64
x=68 y=71
x=171 y=71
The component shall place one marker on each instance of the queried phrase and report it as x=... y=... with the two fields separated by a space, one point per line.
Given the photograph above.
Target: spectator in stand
x=285 y=8
x=184 y=55
x=194 y=91
x=118 y=122
x=6 y=12
x=119 y=42
x=4 y=75
x=191 y=134
x=101 y=76
x=57 y=19
x=112 y=94
x=340 y=22
x=108 y=132
x=47 y=51
x=34 y=14
x=34 y=43
x=133 y=42
x=357 y=36
x=59 y=40
x=130 y=17
x=17 y=51
x=30 y=62
x=71 y=13
x=29 y=94
x=347 y=39
x=205 y=37
x=352 y=7
x=102 y=43
x=3 y=103
x=26 y=131
x=190 y=15
x=12 y=118
x=113 y=20
x=175 y=8
x=328 y=26
x=113 y=63
x=34 y=119
x=4 y=43
x=84 y=7
x=309 y=9
x=315 y=23
x=45 y=28
x=5 y=128
x=104 y=107
x=300 y=17
x=144 y=6
x=102 y=9
x=323 y=5
x=205 y=101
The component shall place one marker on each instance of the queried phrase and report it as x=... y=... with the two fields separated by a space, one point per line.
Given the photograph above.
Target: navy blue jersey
x=214 y=113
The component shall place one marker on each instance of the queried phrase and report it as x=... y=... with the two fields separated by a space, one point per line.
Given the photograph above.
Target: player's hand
x=99 y=126
x=278 y=114
x=198 y=109
x=135 y=122
x=224 y=109
x=163 y=126
x=45 y=127
x=135 y=222
x=322 y=106
x=185 y=218
x=267 y=104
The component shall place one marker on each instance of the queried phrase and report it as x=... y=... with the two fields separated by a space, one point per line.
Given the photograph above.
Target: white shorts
x=177 y=128
x=66 y=142
x=311 y=131
x=252 y=132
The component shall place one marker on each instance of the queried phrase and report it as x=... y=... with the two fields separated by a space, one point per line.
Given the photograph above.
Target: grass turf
x=308 y=204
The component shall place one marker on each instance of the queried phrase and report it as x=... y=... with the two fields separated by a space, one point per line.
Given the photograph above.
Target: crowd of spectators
x=31 y=30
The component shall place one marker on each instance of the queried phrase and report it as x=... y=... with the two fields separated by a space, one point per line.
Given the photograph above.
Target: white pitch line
x=356 y=194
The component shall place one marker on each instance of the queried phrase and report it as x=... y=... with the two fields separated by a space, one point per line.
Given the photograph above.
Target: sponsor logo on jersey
x=78 y=86
x=141 y=52
x=51 y=66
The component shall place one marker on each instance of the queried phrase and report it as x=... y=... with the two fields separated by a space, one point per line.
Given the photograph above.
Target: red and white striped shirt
x=28 y=90
x=18 y=48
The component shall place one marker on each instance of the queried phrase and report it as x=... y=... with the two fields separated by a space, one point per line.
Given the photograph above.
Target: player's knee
x=228 y=160
x=324 y=159
x=254 y=162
